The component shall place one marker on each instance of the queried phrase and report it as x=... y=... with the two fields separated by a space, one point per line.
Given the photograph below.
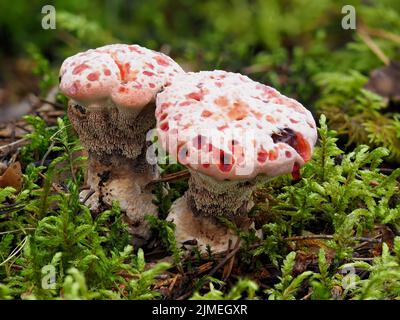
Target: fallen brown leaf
x=12 y=177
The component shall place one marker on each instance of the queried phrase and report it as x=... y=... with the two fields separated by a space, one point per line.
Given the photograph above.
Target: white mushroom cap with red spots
x=129 y=75
x=230 y=127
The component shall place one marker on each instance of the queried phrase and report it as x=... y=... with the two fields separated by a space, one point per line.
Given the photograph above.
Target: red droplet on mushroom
x=164 y=126
x=177 y=117
x=148 y=73
x=162 y=61
x=163 y=116
x=94 y=76
x=257 y=114
x=222 y=128
x=293 y=120
x=262 y=156
x=121 y=70
x=152 y=85
x=107 y=72
x=272 y=155
x=270 y=119
x=135 y=49
x=225 y=161
x=222 y=101
x=79 y=68
x=303 y=148
x=288 y=154
x=195 y=96
x=151 y=66
x=74 y=88
x=185 y=103
x=239 y=110
x=206 y=114
x=296 y=172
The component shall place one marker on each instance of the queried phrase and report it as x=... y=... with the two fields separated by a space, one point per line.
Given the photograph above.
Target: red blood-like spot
x=206 y=165
x=162 y=61
x=257 y=114
x=293 y=120
x=270 y=119
x=177 y=117
x=302 y=147
x=107 y=72
x=135 y=49
x=148 y=73
x=74 y=88
x=137 y=86
x=122 y=89
x=272 y=155
x=152 y=85
x=195 y=96
x=164 y=126
x=296 y=172
x=185 y=103
x=79 y=68
x=162 y=109
x=210 y=147
x=262 y=156
x=163 y=116
x=151 y=66
x=226 y=161
x=288 y=154
x=268 y=92
x=94 y=76
x=221 y=101
x=221 y=128
x=123 y=68
x=206 y=114
x=239 y=110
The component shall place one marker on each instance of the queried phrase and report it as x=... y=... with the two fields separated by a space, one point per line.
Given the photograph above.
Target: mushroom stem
x=117 y=178
x=209 y=197
x=115 y=140
x=201 y=231
x=195 y=214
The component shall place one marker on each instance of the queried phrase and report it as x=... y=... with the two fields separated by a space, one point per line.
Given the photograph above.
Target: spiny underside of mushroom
x=110 y=131
x=223 y=198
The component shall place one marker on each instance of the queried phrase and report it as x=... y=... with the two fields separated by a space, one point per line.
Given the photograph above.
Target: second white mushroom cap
x=229 y=127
